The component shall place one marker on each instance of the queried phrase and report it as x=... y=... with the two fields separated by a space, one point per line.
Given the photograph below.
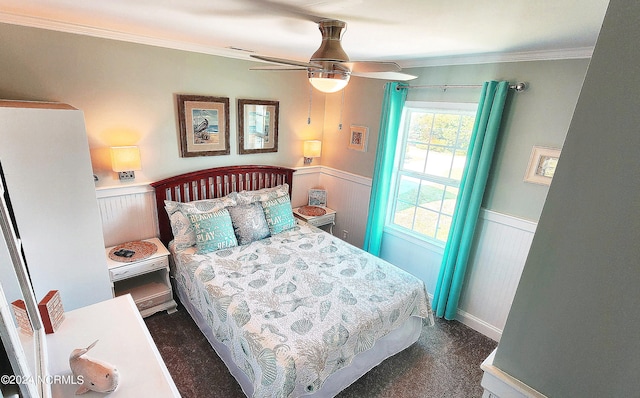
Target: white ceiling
x=410 y=32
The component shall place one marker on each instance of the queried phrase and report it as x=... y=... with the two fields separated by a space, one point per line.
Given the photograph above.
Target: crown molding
x=569 y=53
x=43 y=23
x=66 y=27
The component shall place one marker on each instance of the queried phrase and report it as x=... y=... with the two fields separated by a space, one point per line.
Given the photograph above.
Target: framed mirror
x=25 y=348
x=257 y=126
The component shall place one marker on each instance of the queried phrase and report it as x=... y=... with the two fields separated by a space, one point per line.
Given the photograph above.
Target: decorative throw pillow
x=278 y=214
x=249 y=223
x=183 y=232
x=213 y=231
x=247 y=197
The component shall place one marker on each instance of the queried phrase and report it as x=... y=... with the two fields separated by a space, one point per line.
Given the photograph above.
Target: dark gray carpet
x=445 y=362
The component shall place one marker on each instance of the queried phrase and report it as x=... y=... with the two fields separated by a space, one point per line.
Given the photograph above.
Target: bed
x=290 y=309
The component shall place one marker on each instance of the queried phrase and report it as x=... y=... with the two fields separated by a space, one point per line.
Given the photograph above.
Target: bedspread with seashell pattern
x=299 y=305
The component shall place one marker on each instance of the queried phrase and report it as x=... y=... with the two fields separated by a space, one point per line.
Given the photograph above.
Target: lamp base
x=308 y=160
x=127 y=175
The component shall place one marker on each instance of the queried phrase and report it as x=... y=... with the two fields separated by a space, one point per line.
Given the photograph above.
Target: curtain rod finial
x=519 y=87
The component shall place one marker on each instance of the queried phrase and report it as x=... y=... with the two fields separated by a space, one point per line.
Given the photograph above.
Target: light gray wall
x=538 y=116
x=127 y=92
x=573 y=327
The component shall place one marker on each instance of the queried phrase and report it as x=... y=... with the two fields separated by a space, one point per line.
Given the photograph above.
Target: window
x=434 y=139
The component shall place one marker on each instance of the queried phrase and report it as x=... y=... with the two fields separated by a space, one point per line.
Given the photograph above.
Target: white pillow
x=183 y=233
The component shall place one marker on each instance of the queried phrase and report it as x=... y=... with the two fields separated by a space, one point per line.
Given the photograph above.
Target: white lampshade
x=328 y=82
x=125 y=158
x=312 y=149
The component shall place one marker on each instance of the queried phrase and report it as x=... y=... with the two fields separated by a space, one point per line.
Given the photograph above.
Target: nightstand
x=147 y=280
x=329 y=218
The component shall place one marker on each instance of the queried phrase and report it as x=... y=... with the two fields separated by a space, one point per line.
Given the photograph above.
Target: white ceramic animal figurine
x=96 y=375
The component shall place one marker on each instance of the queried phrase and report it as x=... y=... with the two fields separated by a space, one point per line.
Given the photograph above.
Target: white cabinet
x=45 y=157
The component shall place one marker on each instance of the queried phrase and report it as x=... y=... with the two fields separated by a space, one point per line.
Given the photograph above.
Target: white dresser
x=124 y=341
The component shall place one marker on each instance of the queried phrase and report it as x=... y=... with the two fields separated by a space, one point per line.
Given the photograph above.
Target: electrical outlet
x=127 y=175
x=345 y=234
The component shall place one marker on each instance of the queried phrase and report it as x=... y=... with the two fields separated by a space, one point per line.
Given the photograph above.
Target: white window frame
x=437 y=107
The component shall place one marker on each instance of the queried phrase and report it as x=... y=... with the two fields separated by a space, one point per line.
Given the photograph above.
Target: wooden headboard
x=214 y=183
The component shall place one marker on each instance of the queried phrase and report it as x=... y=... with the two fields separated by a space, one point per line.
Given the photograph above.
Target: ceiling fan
x=329 y=68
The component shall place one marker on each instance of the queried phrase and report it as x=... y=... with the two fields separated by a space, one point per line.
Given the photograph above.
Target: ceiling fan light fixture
x=328 y=81
x=331 y=47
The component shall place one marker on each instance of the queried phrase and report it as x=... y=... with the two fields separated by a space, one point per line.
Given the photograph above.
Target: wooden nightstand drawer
x=128 y=270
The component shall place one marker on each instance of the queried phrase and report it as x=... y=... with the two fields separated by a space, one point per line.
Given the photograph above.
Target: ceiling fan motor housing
x=331 y=47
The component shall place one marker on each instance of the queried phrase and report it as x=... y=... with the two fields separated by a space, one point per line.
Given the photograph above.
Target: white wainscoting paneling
x=128 y=213
x=500 y=251
x=347 y=194
x=304 y=179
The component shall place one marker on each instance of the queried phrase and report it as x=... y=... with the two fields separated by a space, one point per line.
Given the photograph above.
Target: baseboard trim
x=479 y=325
x=498 y=384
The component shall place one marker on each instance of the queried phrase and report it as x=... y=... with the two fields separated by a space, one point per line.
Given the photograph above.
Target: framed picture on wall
x=358 y=138
x=204 y=125
x=257 y=126
x=542 y=165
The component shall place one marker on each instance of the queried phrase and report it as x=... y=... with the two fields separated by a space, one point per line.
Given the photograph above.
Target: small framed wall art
x=317 y=197
x=257 y=126
x=204 y=125
x=358 y=138
x=542 y=165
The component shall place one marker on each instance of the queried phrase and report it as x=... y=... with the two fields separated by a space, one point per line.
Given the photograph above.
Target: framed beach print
x=317 y=197
x=204 y=125
x=358 y=138
x=542 y=165
x=257 y=126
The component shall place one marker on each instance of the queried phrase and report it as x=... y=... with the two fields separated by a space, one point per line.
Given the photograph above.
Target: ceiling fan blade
x=279 y=68
x=287 y=61
x=386 y=76
x=372 y=66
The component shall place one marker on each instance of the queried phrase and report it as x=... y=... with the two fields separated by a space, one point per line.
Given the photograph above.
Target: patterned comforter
x=298 y=306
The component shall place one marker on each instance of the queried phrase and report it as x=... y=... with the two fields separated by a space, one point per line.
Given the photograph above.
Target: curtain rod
x=518 y=87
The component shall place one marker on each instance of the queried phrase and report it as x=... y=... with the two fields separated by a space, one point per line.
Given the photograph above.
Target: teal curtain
x=472 y=186
x=392 y=104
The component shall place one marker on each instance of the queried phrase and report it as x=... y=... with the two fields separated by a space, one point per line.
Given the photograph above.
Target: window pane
x=414 y=157
x=431 y=195
x=439 y=161
x=404 y=214
x=420 y=127
x=408 y=189
x=445 y=129
x=425 y=222
x=458 y=165
x=434 y=147
x=443 y=228
x=449 y=205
